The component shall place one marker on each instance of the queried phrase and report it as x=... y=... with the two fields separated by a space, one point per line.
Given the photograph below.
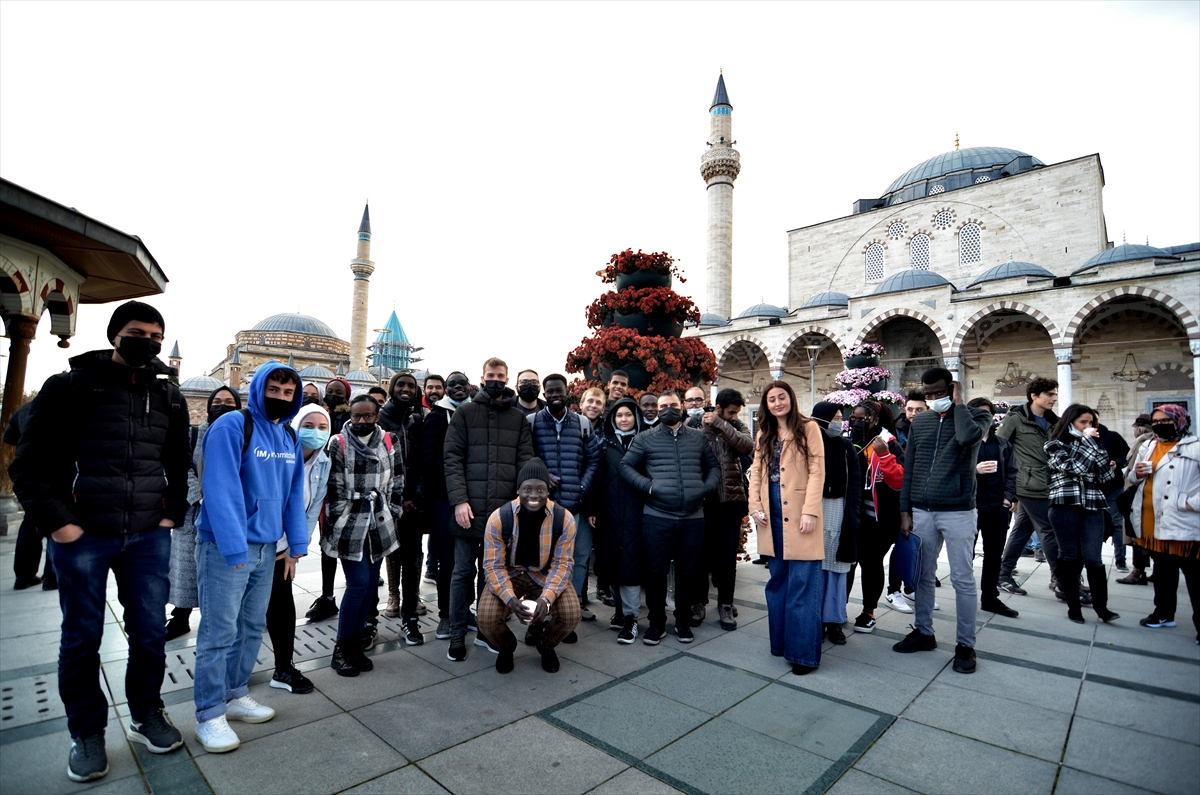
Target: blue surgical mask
x=1076 y=432
x=313 y=439
x=835 y=426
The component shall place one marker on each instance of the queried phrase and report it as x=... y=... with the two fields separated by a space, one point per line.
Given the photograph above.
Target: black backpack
x=556 y=529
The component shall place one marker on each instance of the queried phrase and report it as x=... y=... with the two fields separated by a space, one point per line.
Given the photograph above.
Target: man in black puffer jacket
x=487 y=443
x=102 y=468
x=675 y=468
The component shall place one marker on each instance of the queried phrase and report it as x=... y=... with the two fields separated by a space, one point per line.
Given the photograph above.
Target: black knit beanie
x=824 y=412
x=133 y=310
x=534 y=469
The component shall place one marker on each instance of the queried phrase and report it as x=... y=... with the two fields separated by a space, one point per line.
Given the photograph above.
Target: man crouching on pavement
x=528 y=549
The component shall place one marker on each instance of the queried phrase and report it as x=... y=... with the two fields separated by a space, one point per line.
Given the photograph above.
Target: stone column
x=20 y=332
x=955 y=365
x=1063 y=355
x=1195 y=407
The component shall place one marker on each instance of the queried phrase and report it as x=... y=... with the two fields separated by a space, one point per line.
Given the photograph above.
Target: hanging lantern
x=1129 y=370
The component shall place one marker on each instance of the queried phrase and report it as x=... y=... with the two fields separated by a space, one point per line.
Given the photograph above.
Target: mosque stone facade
x=998 y=266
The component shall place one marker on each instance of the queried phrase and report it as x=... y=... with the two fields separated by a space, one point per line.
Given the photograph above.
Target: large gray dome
x=296 y=323
x=201 y=383
x=827 y=298
x=1011 y=270
x=765 y=310
x=1124 y=253
x=910 y=279
x=970 y=159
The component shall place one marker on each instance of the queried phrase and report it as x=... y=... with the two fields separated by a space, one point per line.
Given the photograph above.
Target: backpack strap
x=585 y=426
x=387 y=441
x=248 y=430
x=506 y=525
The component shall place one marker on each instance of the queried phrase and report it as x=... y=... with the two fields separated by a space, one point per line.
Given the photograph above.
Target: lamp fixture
x=1012 y=377
x=1129 y=370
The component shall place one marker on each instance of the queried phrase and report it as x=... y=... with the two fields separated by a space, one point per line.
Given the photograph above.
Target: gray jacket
x=939 y=462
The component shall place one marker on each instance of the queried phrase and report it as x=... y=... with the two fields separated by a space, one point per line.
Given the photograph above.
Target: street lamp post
x=813 y=350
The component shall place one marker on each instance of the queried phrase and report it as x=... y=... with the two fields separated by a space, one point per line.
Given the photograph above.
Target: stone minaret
x=362 y=267
x=719 y=166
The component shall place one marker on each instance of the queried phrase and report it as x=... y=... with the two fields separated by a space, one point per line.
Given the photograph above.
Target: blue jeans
x=362 y=578
x=233 y=615
x=140 y=562
x=833 y=604
x=465 y=586
x=1080 y=533
x=794 y=595
x=583 y=551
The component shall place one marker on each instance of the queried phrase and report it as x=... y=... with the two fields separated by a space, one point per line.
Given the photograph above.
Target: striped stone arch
x=879 y=320
x=960 y=336
x=750 y=338
x=1184 y=371
x=811 y=328
x=1186 y=318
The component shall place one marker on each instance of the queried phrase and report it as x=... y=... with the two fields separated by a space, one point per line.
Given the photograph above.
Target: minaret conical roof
x=392 y=331
x=365 y=226
x=175 y=351
x=721 y=97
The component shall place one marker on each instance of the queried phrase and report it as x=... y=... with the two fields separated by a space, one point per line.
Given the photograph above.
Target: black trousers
x=875 y=541
x=722 y=532
x=1166 y=585
x=679 y=540
x=410 y=533
x=329 y=567
x=281 y=617
x=28 y=554
x=993 y=526
x=441 y=553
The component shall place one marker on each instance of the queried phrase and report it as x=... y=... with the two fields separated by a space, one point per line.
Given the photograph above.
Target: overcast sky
x=508 y=149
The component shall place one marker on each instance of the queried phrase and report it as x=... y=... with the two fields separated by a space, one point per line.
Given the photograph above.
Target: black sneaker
x=937 y=581
x=549 y=659
x=443 y=629
x=1155 y=622
x=481 y=640
x=999 y=608
x=156 y=732
x=571 y=637
x=504 y=662
x=412 y=632
x=1039 y=556
x=177 y=627
x=533 y=635
x=964 y=659
x=916 y=641
x=1008 y=585
x=835 y=634
x=616 y=622
x=684 y=633
x=367 y=636
x=88 y=760
x=49 y=582
x=1027 y=552
x=322 y=608
x=1121 y=565
x=761 y=560
x=698 y=613
x=654 y=635
x=457 y=651
x=26 y=582
x=864 y=623
x=291 y=680
x=629 y=631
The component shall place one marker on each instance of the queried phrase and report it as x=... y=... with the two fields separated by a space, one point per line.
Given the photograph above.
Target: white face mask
x=941 y=405
x=695 y=413
x=1076 y=432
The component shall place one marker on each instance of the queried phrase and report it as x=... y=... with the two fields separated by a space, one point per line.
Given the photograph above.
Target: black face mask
x=670 y=416
x=138 y=351
x=528 y=393
x=217 y=411
x=493 y=389
x=333 y=401
x=310 y=400
x=858 y=432
x=363 y=428
x=275 y=408
x=1165 y=431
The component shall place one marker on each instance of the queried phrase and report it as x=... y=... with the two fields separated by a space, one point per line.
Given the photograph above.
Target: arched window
x=919 y=252
x=875 y=263
x=969 y=251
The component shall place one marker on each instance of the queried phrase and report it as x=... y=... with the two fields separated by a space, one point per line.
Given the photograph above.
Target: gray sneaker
x=156 y=732
x=88 y=760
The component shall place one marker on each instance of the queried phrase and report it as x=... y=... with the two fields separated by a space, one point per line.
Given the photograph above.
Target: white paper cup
x=529 y=605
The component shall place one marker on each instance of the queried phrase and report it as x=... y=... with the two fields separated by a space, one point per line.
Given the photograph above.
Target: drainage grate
x=31 y=699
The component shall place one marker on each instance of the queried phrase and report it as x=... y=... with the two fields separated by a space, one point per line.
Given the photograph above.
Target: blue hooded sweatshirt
x=256 y=497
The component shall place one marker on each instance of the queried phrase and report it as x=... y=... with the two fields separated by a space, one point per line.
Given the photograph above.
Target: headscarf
x=320 y=389
x=1177 y=413
x=237 y=399
x=823 y=412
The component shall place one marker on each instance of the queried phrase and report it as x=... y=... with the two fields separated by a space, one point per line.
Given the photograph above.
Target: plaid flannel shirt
x=554 y=571
x=1078 y=470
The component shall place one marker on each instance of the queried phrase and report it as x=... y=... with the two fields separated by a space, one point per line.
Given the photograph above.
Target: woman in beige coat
x=786 y=481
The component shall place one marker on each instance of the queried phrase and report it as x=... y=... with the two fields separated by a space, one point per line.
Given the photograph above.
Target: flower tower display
x=637 y=328
x=864 y=379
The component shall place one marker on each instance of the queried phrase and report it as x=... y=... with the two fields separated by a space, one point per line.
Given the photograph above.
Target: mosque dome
x=764 y=310
x=1124 y=253
x=296 y=323
x=316 y=371
x=827 y=298
x=201 y=383
x=709 y=320
x=910 y=279
x=362 y=377
x=1011 y=270
x=958 y=168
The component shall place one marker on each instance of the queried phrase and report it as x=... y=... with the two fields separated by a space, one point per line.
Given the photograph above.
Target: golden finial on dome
x=956 y=141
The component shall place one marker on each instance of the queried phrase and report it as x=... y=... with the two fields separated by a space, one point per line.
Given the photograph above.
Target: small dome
x=709 y=320
x=1124 y=253
x=764 y=310
x=381 y=370
x=827 y=298
x=970 y=159
x=911 y=279
x=316 y=371
x=201 y=383
x=1010 y=270
x=297 y=324
x=361 y=377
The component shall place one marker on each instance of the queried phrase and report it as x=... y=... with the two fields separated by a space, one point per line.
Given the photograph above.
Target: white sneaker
x=897 y=602
x=936 y=606
x=247 y=710
x=216 y=736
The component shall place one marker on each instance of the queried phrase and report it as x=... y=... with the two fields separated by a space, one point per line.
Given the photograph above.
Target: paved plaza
x=1053 y=708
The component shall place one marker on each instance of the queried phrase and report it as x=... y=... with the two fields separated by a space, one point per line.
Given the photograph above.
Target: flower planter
x=643 y=278
x=876 y=386
x=662 y=326
x=608 y=320
x=634 y=320
x=638 y=377
x=862 y=361
x=604 y=372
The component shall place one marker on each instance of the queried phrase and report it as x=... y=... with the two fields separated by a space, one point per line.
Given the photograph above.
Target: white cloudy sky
x=508 y=149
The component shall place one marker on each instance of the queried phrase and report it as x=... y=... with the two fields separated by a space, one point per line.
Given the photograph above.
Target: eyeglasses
x=694 y=401
x=363 y=417
x=528 y=382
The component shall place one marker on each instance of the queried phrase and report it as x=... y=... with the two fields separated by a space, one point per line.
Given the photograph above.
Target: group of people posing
x=520 y=496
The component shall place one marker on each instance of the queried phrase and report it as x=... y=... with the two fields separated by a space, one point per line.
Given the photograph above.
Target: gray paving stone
x=337 y=753
x=1156 y=763
x=555 y=764
x=1126 y=635
x=804 y=720
x=856 y=782
x=603 y=653
x=1166 y=717
x=732 y=649
x=1076 y=782
x=1071 y=656
x=1180 y=676
x=693 y=681
x=758 y=627
x=409 y=780
x=748 y=762
x=866 y=685
x=933 y=761
x=634 y=782
x=39 y=764
x=182 y=778
x=395 y=673
x=133 y=785
x=877 y=650
x=1008 y=724
x=463 y=711
x=531 y=689
x=1016 y=683
x=631 y=719
x=433 y=651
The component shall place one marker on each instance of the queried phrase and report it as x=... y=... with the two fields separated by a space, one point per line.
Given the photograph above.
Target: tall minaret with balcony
x=362 y=268
x=719 y=166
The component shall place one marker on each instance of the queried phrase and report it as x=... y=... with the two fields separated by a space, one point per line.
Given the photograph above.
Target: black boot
x=179 y=623
x=1068 y=581
x=1098 y=580
x=343 y=659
